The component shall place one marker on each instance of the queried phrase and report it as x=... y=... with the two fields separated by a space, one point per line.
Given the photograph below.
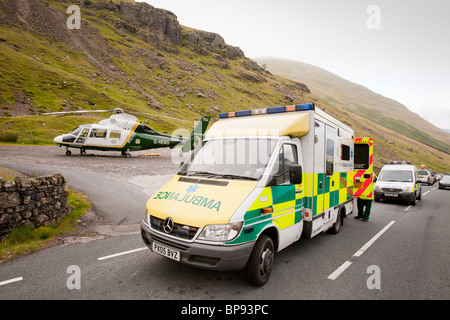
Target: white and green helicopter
x=124 y=132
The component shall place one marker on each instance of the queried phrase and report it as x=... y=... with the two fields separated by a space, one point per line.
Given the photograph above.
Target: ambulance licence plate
x=357 y=184
x=165 y=251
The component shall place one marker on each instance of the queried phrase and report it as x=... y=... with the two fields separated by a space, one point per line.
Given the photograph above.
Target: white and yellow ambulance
x=259 y=181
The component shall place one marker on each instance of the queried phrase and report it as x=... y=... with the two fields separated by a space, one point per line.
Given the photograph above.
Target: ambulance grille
x=179 y=230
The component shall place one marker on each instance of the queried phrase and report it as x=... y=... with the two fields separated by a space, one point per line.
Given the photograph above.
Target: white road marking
x=426 y=192
x=358 y=253
x=339 y=270
x=10 y=281
x=121 y=253
x=407 y=208
x=371 y=241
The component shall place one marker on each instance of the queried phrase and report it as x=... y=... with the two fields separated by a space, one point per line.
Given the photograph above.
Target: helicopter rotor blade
x=78 y=111
x=147 y=115
x=117 y=111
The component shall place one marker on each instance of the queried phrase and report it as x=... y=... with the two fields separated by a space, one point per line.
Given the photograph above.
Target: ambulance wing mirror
x=295 y=175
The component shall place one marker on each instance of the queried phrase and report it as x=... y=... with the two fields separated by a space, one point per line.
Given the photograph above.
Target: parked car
x=444 y=183
x=434 y=177
x=426 y=177
x=398 y=182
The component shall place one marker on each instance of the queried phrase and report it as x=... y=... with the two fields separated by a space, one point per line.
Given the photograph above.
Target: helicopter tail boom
x=198 y=132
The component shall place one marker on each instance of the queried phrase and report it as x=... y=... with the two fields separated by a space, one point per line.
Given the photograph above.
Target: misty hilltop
x=134 y=56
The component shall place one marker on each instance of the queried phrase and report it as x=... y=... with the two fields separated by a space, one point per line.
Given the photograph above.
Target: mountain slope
x=362 y=101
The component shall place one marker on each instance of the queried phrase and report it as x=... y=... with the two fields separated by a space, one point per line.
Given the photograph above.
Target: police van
x=398 y=181
x=260 y=180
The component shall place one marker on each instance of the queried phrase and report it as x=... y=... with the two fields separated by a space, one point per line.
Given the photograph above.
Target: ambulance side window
x=345 y=152
x=286 y=157
x=330 y=158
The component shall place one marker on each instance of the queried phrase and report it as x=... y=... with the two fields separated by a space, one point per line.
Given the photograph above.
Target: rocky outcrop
x=145 y=17
x=204 y=43
x=157 y=25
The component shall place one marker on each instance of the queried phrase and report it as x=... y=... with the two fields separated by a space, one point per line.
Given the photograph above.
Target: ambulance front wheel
x=260 y=263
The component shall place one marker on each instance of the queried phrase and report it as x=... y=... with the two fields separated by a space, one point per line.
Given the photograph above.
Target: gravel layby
x=112 y=164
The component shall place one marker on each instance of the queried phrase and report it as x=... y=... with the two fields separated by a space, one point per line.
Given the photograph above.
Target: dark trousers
x=364 y=207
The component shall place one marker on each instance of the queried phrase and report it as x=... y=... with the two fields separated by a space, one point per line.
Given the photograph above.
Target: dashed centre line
x=122 y=253
x=358 y=253
x=11 y=281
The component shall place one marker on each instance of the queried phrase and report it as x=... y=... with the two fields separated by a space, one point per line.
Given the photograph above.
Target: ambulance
x=259 y=181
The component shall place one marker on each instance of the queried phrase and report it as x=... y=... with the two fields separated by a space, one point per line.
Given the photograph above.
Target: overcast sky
x=398 y=48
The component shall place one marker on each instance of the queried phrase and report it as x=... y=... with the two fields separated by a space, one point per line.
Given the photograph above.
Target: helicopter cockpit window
x=76 y=131
x=98 y=133
x=83 y=135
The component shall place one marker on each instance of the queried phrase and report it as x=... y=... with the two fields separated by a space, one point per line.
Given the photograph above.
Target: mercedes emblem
x=168 y=225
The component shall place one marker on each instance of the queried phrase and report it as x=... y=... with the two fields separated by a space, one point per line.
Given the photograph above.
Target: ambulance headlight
x=146 y=216
x=220 y=232
x=407 y=189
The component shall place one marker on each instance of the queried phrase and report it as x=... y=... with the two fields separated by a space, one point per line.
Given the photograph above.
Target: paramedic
x=364 y=207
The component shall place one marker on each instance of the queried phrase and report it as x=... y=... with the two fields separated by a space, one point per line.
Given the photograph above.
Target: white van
x=398 y=182
x=425 y=176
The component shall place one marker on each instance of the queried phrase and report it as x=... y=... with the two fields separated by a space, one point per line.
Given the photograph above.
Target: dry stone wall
x=38 y=201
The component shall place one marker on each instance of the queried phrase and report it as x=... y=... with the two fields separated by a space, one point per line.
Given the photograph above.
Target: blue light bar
x=243 y=113
x=272 y=110
x=276 y=110
x=304 y=107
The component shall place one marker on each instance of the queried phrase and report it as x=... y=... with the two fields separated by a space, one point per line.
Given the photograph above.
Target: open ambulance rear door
x=363 y=168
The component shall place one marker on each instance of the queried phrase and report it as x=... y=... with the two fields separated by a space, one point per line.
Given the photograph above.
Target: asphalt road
x=401 y=253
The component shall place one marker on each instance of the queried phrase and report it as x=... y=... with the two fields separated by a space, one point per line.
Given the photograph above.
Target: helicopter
x=124 y=132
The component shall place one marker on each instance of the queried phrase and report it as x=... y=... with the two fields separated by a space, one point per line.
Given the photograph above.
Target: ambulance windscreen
x=396 y=176
x=239 y=158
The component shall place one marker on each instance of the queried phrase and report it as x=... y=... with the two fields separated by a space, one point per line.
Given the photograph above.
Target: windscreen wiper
x=234 y=176
x=199 y=173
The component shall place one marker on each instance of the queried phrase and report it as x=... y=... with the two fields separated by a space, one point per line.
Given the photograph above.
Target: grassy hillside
x=136 y=57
